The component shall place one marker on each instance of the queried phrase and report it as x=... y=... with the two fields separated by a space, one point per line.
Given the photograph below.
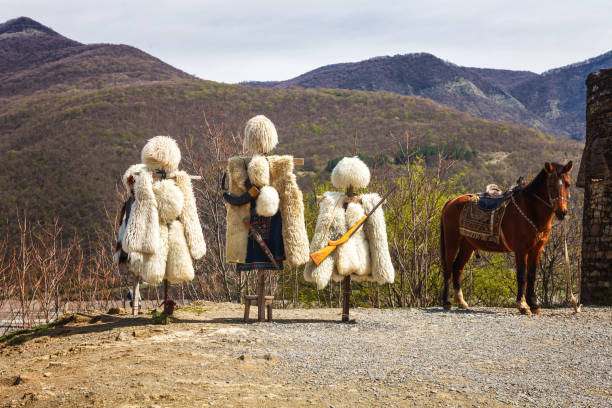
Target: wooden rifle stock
x=347 y=234
x=321 y=254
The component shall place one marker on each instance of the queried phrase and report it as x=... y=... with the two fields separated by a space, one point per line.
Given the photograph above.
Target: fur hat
x=134 y=171
x=350 y=171
x=161 y=152
x=260 y=135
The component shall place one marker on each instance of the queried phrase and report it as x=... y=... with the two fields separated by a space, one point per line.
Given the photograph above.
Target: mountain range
x=74 y=116
x=33 y=57
x=553 y=101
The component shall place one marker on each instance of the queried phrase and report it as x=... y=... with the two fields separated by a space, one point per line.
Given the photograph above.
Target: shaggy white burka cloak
x=134 y=261
x=274 y=177
x=164 y=225
x=365 y=256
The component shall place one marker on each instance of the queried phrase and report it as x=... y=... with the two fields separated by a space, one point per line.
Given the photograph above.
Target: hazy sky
x=233 y=41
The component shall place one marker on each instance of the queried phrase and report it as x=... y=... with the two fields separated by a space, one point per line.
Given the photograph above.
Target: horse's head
x=558 y=186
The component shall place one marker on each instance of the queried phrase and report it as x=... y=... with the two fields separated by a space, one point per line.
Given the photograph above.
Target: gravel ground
x=557 y=359
x=392 y=357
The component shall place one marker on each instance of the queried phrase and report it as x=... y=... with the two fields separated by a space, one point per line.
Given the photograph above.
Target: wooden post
x=346 y=283
x=346 y=298
x=165 y=290
x=136 y=296
x=261 y=295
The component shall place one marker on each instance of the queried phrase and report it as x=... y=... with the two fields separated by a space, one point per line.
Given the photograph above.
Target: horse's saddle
x=493 y=198
x=488 y=203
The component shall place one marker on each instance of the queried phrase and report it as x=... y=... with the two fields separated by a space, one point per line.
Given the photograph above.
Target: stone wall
x=594 y=176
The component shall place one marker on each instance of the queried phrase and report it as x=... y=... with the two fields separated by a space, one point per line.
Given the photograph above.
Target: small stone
x=244 y=357
x=271 y=356
x=116 y=310
x=138 y=333
x=121 y=336
x=23 y=378
x=47 y=374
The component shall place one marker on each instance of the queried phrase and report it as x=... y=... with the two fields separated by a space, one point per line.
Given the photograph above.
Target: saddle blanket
x=480 y=224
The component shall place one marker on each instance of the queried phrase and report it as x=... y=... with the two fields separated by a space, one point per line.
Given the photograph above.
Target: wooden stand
x=136 y=296
x=261 y=293
x=251 y=299
x=169 y=304
x=346 y=298
x=263 y=302
x=346 y=283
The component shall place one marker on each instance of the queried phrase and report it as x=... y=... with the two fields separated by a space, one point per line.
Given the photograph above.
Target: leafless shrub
x=52 y=257
x=206 y=154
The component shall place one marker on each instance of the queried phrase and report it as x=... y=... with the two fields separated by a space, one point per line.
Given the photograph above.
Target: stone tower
x=594 y=177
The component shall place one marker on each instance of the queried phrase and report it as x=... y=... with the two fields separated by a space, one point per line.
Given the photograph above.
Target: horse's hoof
x=525 y=311
x=464 y=306
x=447 y=306
x=536 y=311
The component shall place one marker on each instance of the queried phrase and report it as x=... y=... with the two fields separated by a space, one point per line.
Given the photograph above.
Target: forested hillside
x=62 y=154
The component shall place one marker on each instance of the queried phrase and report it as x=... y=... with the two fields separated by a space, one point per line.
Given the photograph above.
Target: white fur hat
x=161 y=152
x=350 y=171
x=260 y=135
x=134 y=171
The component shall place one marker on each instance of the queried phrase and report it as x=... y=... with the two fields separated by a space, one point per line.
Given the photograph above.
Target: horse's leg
x=449 y=245
x=521 y=304
x=533 y=257
x=465 y=253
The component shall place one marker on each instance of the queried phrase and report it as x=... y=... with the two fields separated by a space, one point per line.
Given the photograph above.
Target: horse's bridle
x=550 y=201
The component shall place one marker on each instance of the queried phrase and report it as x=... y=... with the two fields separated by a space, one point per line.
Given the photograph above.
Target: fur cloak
x=165 y=228
x=365 y=256
x=291 y=206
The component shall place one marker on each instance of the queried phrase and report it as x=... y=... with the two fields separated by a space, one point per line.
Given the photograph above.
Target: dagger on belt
x=257 y=237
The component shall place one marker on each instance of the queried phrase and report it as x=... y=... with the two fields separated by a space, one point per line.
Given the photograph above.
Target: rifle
x=321 y=254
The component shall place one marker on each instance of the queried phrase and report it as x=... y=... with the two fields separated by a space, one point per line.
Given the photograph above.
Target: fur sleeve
x=284 y=182
x=294 y=232
x=142 y=233
x=189 y=217
x=376 y=232
x=320 y=274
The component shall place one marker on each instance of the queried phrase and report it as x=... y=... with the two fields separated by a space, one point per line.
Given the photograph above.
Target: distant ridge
x=552 y=102
x=33 y=57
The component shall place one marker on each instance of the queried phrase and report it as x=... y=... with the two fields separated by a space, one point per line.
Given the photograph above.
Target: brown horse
x=525 y=229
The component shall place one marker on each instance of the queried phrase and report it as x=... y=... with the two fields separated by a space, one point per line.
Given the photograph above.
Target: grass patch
x=25 y=335
x=161 y=317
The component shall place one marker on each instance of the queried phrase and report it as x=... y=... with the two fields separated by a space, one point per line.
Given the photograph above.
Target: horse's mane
x=538 y=180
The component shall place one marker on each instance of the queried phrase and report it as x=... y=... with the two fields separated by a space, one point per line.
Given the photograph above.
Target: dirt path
x=399 y=357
